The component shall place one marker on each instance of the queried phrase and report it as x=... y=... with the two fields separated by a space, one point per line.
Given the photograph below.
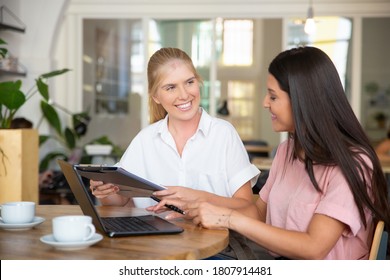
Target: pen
x=90 y=165
x=170 y=206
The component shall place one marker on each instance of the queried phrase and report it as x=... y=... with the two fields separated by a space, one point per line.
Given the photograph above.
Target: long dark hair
x=327 y=131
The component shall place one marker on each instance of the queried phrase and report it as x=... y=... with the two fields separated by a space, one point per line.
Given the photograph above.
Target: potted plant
x=19 y=147
x=69 y=137
x=12 y=98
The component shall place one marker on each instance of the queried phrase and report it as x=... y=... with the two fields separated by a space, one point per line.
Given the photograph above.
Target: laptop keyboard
x=127 y=224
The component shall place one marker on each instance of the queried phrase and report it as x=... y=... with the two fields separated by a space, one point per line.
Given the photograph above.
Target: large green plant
x=12 y=98
x=69 y=136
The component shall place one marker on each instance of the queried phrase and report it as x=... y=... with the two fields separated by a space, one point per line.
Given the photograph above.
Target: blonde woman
x=196 y=156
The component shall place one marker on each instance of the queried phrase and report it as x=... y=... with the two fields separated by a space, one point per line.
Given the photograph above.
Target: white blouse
x=214 y=159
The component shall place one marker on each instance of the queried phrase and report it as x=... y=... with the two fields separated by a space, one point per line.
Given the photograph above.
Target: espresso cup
x=76 y=228
x=18 y=212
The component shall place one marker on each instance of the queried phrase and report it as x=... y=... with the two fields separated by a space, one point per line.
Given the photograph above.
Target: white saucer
x=49 y=239
x=35 y=222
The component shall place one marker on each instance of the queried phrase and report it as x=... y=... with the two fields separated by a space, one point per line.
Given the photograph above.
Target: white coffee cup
x=18 y=212
x=143 y=202
x=75 y=228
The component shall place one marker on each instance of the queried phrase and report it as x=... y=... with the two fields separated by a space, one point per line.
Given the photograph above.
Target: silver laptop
x=114 y=226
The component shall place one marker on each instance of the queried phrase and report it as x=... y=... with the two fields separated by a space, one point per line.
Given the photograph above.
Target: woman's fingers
x=162 y=205
x=101 y=190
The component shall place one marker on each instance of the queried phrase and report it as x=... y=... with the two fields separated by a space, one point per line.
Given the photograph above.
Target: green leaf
x=80 y=117
x=51 y=116
x=70 y=138
x=102 y=140
x=117 y=151
x=43 y=139
x=3 y=52
x=11 y=96
x=54 y=73
x=43 y=89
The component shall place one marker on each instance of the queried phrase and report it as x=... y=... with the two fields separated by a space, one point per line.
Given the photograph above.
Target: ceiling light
x=310 y=25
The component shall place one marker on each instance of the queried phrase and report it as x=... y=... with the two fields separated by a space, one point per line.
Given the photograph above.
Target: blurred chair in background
x=252 y=153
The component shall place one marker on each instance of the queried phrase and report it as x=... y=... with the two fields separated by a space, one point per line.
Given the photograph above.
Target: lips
x=185 y=106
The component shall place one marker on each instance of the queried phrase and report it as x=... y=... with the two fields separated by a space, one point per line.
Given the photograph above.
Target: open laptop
x=114 y=226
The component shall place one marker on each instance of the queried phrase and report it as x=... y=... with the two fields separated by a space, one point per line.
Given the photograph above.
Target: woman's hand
x=177 y=196
x=161 y=207
x=208 y=215
x=101 y=190
x=181 y=193
x=108 y=194
x=201 y=213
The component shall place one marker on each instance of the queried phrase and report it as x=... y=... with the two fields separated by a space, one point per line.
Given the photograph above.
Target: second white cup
x=19 y=212
x=75 y=228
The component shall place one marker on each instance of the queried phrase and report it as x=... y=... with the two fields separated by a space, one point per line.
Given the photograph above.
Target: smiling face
x=278 y=103
x=178 y=92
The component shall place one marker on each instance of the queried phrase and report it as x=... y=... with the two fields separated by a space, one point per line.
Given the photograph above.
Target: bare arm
x=241 y=198
x=179 y=196
x=315 y=243
x=320 y=237
x=261 y=207
x=108 y=194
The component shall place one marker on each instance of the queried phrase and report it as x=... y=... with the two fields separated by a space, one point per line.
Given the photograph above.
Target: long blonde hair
x=156 y=74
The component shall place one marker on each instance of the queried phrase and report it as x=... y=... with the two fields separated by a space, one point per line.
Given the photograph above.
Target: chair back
x=260 y=143
x=379 y=243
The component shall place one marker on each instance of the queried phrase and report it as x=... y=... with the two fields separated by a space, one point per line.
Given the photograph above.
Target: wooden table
x=193 y=243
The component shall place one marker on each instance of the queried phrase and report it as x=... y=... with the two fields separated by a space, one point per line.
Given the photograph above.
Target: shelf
x=4 y=11
x=15 y=69
x=11 y=27
x=10 y=65
x=13 y=73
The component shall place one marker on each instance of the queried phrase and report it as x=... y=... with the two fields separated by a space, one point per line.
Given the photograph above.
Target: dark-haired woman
x=326 y=189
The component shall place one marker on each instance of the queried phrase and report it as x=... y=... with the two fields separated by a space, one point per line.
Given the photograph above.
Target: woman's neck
x=181 y=131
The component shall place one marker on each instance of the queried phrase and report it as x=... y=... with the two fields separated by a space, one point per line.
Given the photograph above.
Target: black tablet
x=126 y=180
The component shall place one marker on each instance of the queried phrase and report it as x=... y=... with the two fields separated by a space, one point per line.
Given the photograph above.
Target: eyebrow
x=172 y=84
x=192 y=78
x=271 y=90
x=167 y=85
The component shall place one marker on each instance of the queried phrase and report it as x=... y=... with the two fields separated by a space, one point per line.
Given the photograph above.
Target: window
x=333 y=35
x=241 y=95
x=237 y=42
x=235 y=70
x=115 y=57
x=114 y=66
